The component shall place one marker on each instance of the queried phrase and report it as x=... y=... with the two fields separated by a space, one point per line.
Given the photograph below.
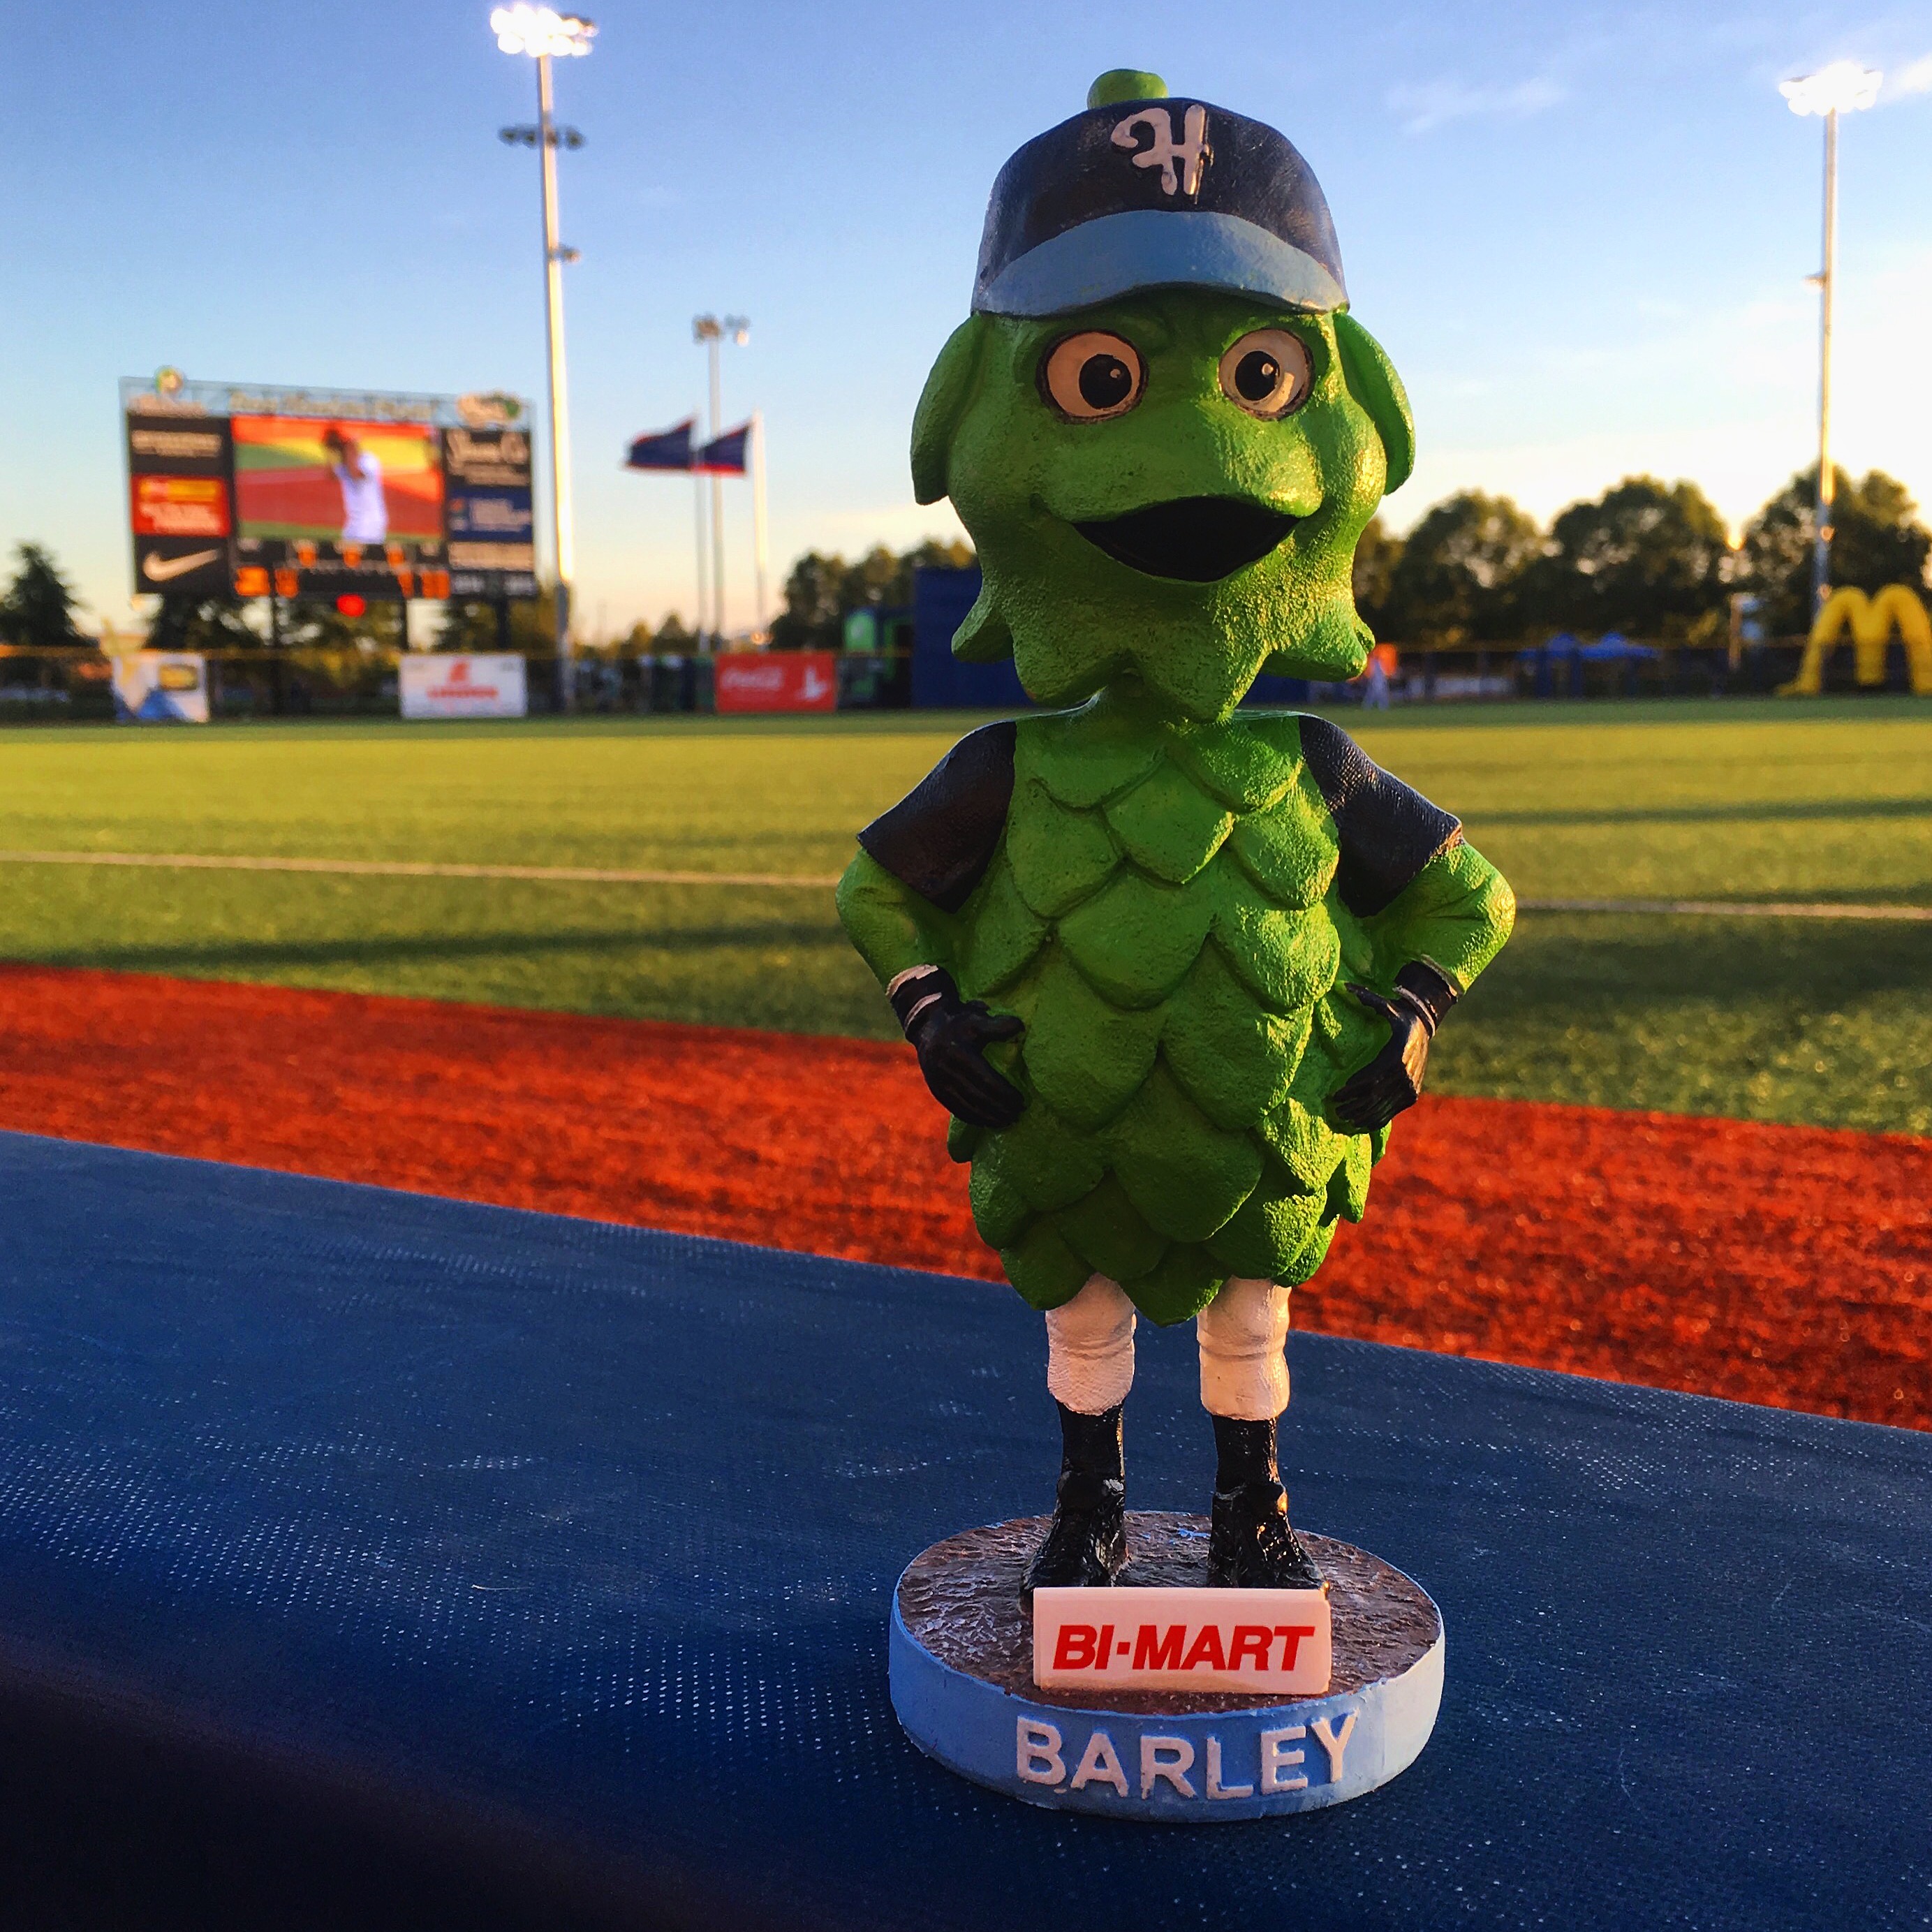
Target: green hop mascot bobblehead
x=1172 y=968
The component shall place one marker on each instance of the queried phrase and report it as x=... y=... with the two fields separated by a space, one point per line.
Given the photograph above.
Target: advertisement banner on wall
x=434 y=684
x=778 y=681
x=161 y=687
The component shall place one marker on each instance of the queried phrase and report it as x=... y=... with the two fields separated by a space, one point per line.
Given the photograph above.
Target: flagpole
x=717 y=500
x=698 y=502
x=711 y=330
x=758 y=510
x=673 y=449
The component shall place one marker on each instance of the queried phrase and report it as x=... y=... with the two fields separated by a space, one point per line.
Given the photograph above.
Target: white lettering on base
x=1334 y=1742
x=1038 y=1752
x=1277 y=1757
x=1168 y=1758
x=1040 y=1758
x=1100 y=1764
x=1215 y=1789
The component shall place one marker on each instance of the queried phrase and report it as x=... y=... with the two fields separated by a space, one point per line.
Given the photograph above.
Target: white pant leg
x=1243 y=1332
x=1089 y=1348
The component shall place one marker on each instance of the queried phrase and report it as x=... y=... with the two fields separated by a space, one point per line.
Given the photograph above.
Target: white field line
x=1729 y=908
x=404 y=869
x=601 y=875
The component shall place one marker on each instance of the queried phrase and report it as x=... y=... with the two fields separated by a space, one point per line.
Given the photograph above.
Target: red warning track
x=1785 y=1265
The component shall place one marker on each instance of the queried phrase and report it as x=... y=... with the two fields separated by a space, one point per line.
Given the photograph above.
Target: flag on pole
x=725 y=456
x=664 y=448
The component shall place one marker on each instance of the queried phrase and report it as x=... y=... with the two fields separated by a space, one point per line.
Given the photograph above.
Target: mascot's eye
x=1093 y=376
x=1268 y=372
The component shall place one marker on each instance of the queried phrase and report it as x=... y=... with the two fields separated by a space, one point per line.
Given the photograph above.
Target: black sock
x=1092 y=1446
x=1245 y=1453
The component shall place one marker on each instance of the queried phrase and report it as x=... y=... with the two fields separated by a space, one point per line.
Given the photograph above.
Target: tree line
x=37 y=609
x=823 y=589
x=1650 y=559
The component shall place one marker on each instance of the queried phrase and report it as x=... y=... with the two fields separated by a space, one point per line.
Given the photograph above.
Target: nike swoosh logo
x=158 y=568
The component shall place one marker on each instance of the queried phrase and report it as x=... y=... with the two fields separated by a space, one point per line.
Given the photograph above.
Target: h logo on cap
x=1163 y=152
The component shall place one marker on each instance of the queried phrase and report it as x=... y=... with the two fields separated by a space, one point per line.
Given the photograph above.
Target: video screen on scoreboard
x=353 y=485
x=260 y=491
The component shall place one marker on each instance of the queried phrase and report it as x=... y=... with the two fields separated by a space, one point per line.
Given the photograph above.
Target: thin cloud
x=1727 y=399
x=1916 y=79
x=1435 y=103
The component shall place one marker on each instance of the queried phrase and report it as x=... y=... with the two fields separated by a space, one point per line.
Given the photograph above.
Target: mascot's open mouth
x=1197 y=538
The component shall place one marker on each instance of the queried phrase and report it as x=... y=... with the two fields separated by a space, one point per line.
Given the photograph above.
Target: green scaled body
x=1162 y=910
x=1162 y=913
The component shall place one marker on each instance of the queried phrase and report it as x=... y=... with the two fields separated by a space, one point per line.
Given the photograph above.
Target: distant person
x=365 y=510
x=1375 y=697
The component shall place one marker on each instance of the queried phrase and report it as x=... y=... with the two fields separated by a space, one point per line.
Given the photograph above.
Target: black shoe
x=1251 y=1545
x=1086 y=1545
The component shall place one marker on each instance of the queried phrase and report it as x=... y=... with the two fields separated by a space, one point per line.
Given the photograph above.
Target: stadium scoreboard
x=253 y=491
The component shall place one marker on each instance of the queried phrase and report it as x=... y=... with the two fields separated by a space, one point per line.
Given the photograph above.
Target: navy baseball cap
x=1141 y=191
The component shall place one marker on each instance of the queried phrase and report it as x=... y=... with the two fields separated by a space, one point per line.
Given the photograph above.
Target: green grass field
x=1776 y=1019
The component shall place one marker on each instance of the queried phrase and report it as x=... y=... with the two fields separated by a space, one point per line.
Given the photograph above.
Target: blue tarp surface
x=588 y=1533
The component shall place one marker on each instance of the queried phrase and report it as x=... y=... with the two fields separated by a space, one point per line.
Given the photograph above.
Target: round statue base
x=962 y=1669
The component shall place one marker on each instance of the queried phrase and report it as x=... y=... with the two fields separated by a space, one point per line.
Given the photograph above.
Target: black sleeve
x=940 y=839
x=1388 y=831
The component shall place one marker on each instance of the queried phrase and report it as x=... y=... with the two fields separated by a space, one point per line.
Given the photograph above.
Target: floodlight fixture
x=716 y=329
x=527 y=136
x=1843 y=88
x=542 y=31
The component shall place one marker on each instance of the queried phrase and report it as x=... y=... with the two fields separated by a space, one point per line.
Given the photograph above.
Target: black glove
x=950 y=1035
x=1373 y=1095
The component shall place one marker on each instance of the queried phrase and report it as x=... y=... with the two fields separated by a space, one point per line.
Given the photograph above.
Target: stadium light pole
x=1844 y=87
x=543 y=33
x=759 y=563
x=711 y=330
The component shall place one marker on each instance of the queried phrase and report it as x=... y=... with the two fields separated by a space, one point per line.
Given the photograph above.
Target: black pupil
x=1106 y=381
x=1257 y=375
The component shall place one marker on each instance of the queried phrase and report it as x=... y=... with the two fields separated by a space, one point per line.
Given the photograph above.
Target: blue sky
x=1581 y=231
